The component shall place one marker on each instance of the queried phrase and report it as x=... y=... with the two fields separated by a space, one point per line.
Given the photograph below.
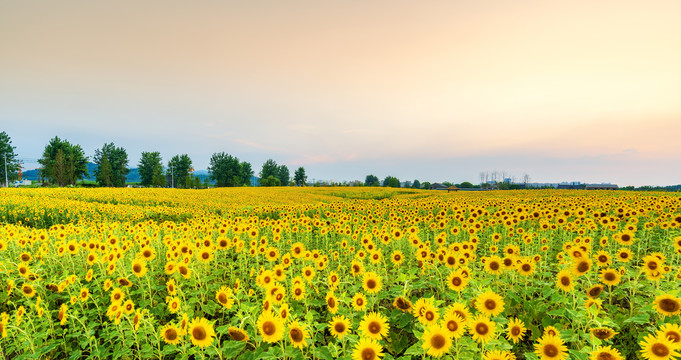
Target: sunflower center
x=673 y=336
x=27 y=290
x=490 y=304
x=526 y=267
x=205 y=255
x=550 y=350
x=482 y=329
x=430 y=315
x=171 y=334
x=236 y=335
x=565 y=281
x=456 y=281
x=269 y=328
x=602 y=334
x=604 y=356
x=515 y=331
x=368 y=354
x=339 y=327
x=360 y=302
x=609 y=276
x=371 y=284
x=494 y=266
x=374 y=327
x=660 y=350
x=583 y=267
x=298 y=292
x=296 y=335
x=652 y=265
x=438 y=341
x=222 y=298
x=137 y=268
x=669 y=305
x=331 y=302
x=595 y=291
x=452 y=325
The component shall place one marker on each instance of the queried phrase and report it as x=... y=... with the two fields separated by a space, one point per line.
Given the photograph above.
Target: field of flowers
x=339 y=273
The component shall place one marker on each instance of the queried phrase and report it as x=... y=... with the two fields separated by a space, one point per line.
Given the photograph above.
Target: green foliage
x=179 y=171
x=425 y=185
x=270 y=181
x=269 y=168
x=299 y=176
x=391 y=181
x=465 y=185
x=9 y=157
x=150 y=169
x=283 y=175
x=63 y=163
x=372 y=180
x=226 y=170
x=416 y=184
x=112 y=165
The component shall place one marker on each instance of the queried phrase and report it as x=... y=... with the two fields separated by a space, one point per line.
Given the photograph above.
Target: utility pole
x=172 y=177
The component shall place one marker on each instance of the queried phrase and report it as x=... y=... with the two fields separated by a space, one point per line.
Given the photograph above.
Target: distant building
x=437 y=186
x=601 y=187
x=452 y=188
x=570 y=187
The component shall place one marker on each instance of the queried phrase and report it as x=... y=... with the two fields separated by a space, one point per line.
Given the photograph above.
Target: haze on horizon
x=435 y=91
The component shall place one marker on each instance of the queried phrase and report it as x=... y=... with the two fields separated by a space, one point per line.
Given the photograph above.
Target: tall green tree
x=372 y=180
x=269 y=168
x=8 y=157
x=225 y=170
x=283 y=175
x=63 y=163
x=299 y=176
x=117 y=158
x=150 y=169
x=416 y=184
x=179 y=171
x=246 y=173
x=391 y=181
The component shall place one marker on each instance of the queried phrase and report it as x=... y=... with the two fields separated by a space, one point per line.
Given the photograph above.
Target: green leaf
x=642 y=318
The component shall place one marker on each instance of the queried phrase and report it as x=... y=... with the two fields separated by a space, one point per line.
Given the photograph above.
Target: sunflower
x=594 y=291
x=489 y=303
x=526 y=267
x=333 y=280
x=667 y=305
x=139 y=267
x=237 y=334
x=657 y=348
x=170 y=267
x=606 y=352
x=270 y=326
x=117 y=296
x=498 y=355
x=581 y=266
x=171 y=287
x=454 y=324
x=356 y=268
x=603 y=333
x=651 y=264
x=482 y=328
x=367 y=349
x=331 y=302
x=672 y=332
x=84 y=294
x=4 y=320
x=298 y=292
x=224 y=297
x=170 y=334
x=624 y=255
x=173 y=304
x=459 y=309
x=128 y=307
x=28 y=290
x=62 y=315
x=403 y=304
x=429 y=314
x=436 y=340
x=309 y=273
x=494 y=265
x=516 y=330
x=610 y=277
x=456 y=281
x=201 y=332
x=359 y=302
x=339 y=326
x=564 y=281
x=551 y=348
x=297 y=334
x=371 y=282
x=397 y=258
x=374 y=326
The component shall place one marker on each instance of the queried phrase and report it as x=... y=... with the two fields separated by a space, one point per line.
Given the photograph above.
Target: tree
x=425 y=185
x=391 y=181
x=226 y=170
x=416 y=184
x=8 y=159
x=270 y=181
x=371 y=180
x=269 y=168
x=466 y=185
x=283 y=175
x=246 y=173
x=150 y=168
x=299 y=176
x=179 y=171
x=117 y=158
x=63 y=163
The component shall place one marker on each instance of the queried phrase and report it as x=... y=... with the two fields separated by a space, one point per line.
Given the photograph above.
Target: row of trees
x=64 y=164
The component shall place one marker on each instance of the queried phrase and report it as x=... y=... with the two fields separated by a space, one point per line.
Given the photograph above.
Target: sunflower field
x=339 y=273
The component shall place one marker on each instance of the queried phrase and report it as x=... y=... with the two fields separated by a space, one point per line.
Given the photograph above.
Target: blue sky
x=434 y=91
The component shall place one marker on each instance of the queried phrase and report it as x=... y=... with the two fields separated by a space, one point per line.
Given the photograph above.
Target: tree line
x=63 y=164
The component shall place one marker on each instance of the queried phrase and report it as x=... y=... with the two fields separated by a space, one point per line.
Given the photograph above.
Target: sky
x=584 y=91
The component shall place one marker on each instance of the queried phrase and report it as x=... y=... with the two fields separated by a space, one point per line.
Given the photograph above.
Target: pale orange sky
x=581 y=90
